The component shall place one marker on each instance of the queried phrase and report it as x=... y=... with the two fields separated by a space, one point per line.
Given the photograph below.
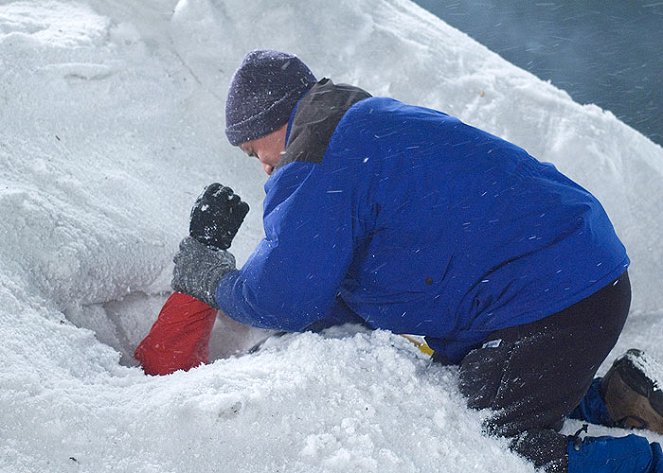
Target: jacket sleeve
x=291 y=280
x=179 y=338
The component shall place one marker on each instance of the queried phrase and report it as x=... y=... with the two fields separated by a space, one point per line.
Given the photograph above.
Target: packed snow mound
x=112 y=123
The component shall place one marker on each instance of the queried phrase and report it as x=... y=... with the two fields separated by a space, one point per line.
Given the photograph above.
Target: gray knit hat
x=263 y=92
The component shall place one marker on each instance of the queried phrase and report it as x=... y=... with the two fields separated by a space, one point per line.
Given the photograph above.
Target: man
x=407 y=219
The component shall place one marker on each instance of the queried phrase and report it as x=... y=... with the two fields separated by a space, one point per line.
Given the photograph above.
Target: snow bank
x=111 y=119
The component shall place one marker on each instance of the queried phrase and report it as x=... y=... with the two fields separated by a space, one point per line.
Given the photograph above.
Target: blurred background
x=609 y=53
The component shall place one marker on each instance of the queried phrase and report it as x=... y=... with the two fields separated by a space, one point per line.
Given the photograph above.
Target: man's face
x=268 y=149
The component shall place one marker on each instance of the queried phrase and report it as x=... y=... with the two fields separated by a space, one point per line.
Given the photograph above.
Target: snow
x=111 y=123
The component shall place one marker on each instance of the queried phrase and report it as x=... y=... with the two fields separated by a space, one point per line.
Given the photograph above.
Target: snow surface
x=111 y=123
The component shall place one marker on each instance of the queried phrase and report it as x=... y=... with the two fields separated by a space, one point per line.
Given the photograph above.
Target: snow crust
x=111 y=123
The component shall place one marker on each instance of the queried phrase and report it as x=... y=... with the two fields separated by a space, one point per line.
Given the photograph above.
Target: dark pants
x=537 y=373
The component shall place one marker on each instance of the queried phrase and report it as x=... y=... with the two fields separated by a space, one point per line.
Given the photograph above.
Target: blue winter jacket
x=419 y=224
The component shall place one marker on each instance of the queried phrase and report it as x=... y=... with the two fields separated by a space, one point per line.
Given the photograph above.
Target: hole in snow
x=123 y=324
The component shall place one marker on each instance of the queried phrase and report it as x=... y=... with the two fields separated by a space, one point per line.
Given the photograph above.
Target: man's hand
x=199 y=268
x=216 y=216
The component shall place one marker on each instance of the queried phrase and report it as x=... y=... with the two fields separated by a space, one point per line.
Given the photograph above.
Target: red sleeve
x=179 y=338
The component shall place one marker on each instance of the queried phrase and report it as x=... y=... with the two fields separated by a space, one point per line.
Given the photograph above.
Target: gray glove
x=199 y=268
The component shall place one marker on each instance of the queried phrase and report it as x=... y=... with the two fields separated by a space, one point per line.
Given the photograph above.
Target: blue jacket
x=419 y=224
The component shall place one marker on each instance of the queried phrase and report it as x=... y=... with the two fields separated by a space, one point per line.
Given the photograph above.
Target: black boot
x=632 y=392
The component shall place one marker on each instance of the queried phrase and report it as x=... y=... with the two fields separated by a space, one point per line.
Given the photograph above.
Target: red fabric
x=179 y=338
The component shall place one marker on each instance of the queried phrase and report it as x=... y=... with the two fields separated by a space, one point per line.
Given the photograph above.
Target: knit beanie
x=263 y=92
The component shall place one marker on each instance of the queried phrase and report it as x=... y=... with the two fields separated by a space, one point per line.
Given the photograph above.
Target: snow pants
x=533 y=376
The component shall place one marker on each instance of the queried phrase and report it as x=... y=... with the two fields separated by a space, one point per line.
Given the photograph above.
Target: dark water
x=607 y=52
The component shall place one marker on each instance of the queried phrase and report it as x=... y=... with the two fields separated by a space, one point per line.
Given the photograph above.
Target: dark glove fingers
x=211 y=194
x=218 y=197
x=217 y=193
x=240 y=210
x=217 y=216
x=206 y=195
x=204 y=214
x=211 y=190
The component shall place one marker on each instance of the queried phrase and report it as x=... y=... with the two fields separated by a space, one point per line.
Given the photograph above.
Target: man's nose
x=268 y=168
